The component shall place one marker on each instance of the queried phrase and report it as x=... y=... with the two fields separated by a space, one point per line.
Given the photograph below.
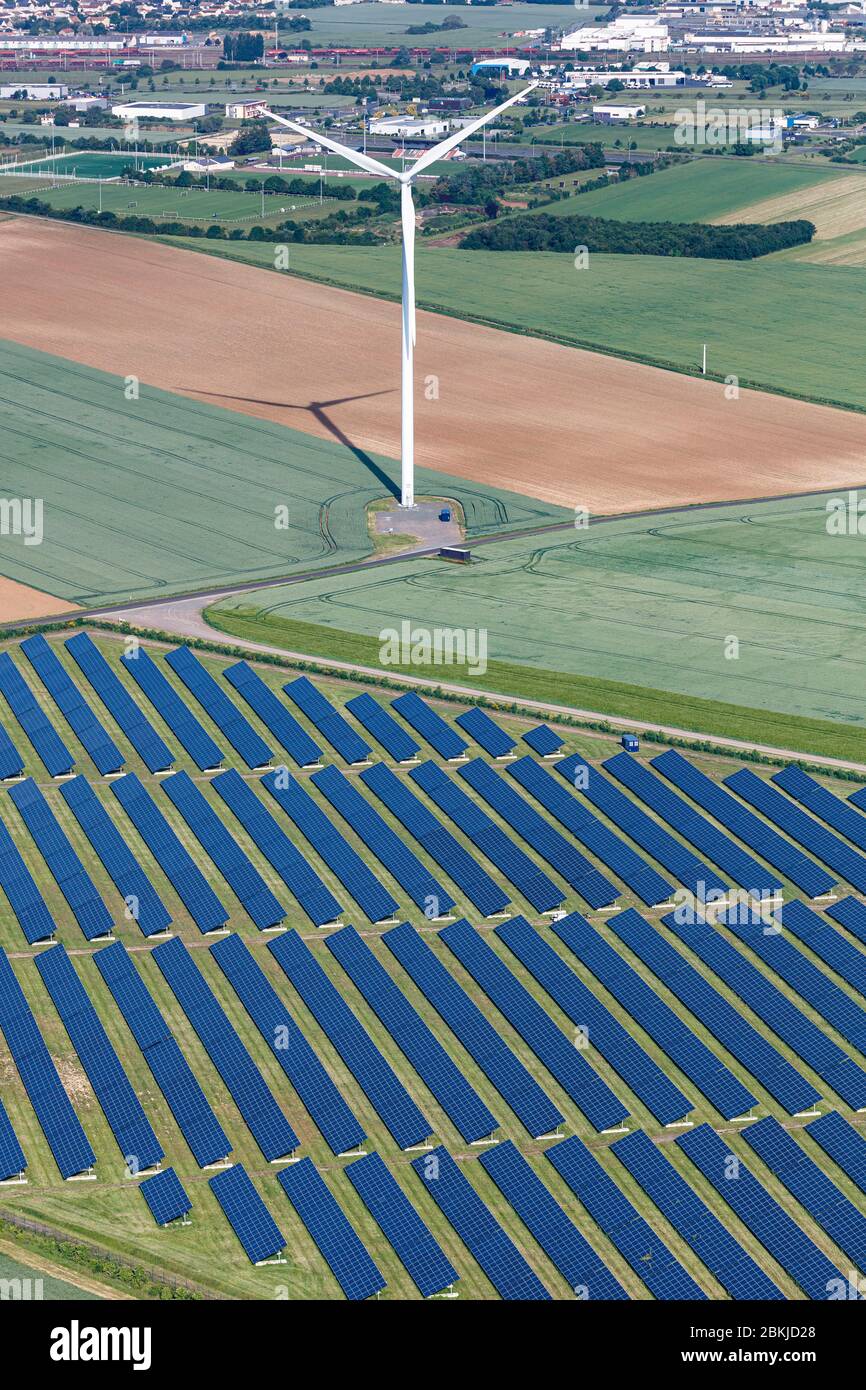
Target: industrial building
x=159 y=110
x=39 y=91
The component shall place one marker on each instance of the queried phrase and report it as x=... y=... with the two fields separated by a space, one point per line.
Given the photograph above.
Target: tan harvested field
x=19 y=602
x=836 y=207
x=567 y=426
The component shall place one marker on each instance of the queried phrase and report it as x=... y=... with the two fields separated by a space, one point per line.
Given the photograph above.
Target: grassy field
x=213 y=481
x=92 y=164
x=365 y=26
x=610 y=618
x=160 y=201
x=35 y=1284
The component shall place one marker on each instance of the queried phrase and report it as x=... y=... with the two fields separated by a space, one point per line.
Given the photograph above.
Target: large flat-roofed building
x=159 y=110
x=406 y=127
x=34 y=91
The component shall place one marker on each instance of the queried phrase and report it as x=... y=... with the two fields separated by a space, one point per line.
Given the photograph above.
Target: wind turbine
x=407 y=213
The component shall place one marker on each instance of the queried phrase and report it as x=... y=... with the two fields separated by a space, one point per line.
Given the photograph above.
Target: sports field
x=176 y=204
x=93 y=164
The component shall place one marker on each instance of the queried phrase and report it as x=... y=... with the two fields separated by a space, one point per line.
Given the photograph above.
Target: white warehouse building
x=159 y=110
x=628 y=34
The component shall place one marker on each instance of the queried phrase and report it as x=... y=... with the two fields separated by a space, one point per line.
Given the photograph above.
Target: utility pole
x=704 y=362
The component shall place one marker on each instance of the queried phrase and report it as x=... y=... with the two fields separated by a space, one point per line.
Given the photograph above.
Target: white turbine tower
x=407 y=212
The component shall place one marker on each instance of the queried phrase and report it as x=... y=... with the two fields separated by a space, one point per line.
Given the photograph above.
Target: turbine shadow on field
x=319 y=412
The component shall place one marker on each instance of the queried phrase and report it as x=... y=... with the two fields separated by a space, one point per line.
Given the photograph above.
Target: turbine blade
x=356 y=157
x=430 y=156
x=407 y=214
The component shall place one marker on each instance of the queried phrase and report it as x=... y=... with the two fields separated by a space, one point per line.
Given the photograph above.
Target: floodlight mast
x=407 y=217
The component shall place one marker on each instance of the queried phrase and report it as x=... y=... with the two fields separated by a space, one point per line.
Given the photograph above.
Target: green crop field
x=25 y=1282
x=365 y=26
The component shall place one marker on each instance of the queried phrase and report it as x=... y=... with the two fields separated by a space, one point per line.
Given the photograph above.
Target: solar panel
x=264 y=1118
x=489 y=838
x=181 y=870
x=557 y=1052
x=590 y=832
x=435 y=840
x=542 y=740
x=231 y=723
x=254 y=895
x=822 y=1199
x=102 y=749
x=485 y=732
x=12 y=1160
x=383 y=727
x=385 y=1092
x=481 y=1040
x=430 y=725
x=356 y=877
x=825 y=805
x=141 y=901
x=557 y=1235
x=401 y=1225
x=378 y=837
x=131 y=1128
x=317 y=1207
x=247 y=1214
x=154 y=753
x=778 y=1232
x=24 y=896
x=667 y=1030
x=485 y=1239
x=458 y=1099
x=600 y=1029
x=285 y=728
x=288 y=1044
x=851 y=915
x=293 y=868
x=11 y=761
x=327 y=721
x=177 y=715
x=33 y=720
x=648 y=1256
x=718 y=1016
x=828 y=945
x=844 y=1145
x=723 y=1256
x=165 y=1196
x=169 y=1067
x=66 y=868
x=53 y=1108
x=539 y=834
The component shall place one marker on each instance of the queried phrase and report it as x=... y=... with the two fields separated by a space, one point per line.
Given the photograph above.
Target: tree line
x=693 y=239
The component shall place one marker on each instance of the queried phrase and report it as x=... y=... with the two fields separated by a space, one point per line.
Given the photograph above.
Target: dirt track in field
x=567 y=426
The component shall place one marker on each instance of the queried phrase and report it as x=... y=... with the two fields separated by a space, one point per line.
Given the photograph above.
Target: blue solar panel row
x=254 y=895
x=543 y=740
x=317 y=1091
x=177 y=864
x=430 y=725
x=279 y=721
x=104 y=752
x=141 y=900
x=725 y=1022
x=176 y=713
x=458 y=1099
x=773 y=1227
x=171 y=1071
x=481 y=1040
x=485 y=1239
x=535 y=1026
x=723 y=1256
x=20 y=888
x=774 y=1008
x=165 y=1196
x=485 y=732
x=755 y=833
x=34 y=721
x=851 y=915
x=333 y=727
x=11 y=761
x=227 y=717
x=674 y=856
x=843 y=1144
x=435 y=840
x=154 y=753
x=356 y=877
x=326 y=1222
x=401 y=1225
x=719 y=847
x=385 y=1092
x=602 y=1031
x=53 y=1108
x=265 y=1120
x=648 y=1256
x=822 y=1199
x=247 y=1214
x=293 y=868
x=69 y=873
x=391 y=851
x=667 y=1029
x=805 y=830
x=825 y=804
x=12 y=1160
x=129 y=1124
x=557 y=1235
x=489 y=838
x=589 y=831
x=538 y=832
x=383 y=727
